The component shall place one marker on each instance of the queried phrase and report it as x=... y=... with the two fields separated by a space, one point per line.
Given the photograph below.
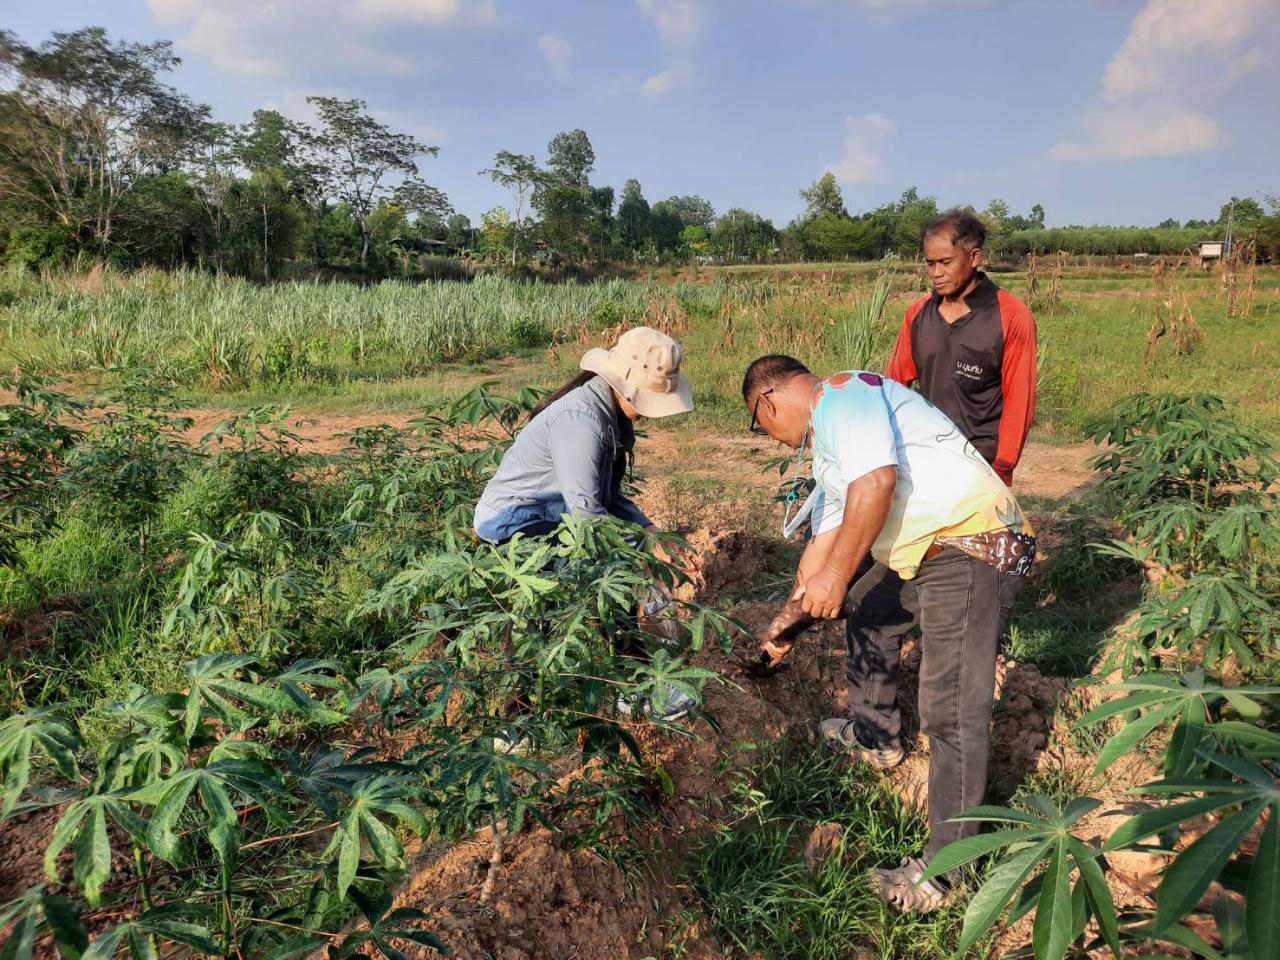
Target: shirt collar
x=982 y=295
x=603 y=392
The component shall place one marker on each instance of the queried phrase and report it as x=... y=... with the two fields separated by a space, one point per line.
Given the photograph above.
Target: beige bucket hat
x=644 y=367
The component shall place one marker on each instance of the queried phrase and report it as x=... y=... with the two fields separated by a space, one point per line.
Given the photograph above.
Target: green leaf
x=1229 y=917
x=1191 y=872
x=1160 y=819
x=1101 y=903
x=348 y=836
x=22 y=939
x=1052 y=931
x=1247 y=708
x=999 y=814
x=1133 y=732
x=176 y=931
x=161 y=835
x=63 y=833
x=971 y=848
x=104 y=944
x=1177 y=934
x=224 y=828
x=990 y=900
x=1262 y=905
x=63 y=918
x=93 y=855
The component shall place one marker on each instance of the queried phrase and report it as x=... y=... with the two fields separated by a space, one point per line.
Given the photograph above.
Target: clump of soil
x=825 y=841
x=548 y=902
x=722 y=560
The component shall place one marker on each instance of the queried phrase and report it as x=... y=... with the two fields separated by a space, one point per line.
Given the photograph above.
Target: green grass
x=761 y=897
x=330 y=348
x=1064 y=614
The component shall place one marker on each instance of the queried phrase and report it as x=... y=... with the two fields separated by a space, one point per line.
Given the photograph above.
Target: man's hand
x=777 y=651
x=822 y=594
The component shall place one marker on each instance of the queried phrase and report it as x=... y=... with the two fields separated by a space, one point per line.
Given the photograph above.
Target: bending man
x=896 y=479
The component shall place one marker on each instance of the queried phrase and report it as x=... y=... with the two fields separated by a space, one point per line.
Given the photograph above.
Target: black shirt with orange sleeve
x=980 y=370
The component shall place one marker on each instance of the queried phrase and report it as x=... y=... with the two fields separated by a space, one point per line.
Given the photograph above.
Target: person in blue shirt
x=574 y=451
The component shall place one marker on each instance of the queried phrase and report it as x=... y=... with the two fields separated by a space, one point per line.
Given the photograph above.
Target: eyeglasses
x=755 y=415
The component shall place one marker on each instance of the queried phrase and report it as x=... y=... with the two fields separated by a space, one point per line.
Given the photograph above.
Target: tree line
x=100 y=157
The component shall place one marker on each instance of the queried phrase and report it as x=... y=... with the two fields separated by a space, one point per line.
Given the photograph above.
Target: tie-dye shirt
x=946 y=490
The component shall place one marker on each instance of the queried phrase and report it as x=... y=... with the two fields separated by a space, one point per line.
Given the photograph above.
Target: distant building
x=1210 y=249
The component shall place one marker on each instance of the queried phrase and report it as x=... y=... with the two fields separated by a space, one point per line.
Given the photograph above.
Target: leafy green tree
x=83 y=120
x=571 y=158
x=742 y=235
x=1245 y=214
x=458 y=233
x=518 y=172
x=1269 y=230
x=1037 y=217
x=164 y=221
x=355 y=154
x=665 y=227
x=633 y=218
x=840 y=238
x=496 y=234
x=602 y=223
x=823 y=197
x=910 y=216
x=695 y=241
x=694 y=211
x=269 y=147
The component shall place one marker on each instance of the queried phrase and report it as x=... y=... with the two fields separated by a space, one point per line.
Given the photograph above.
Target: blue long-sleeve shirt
x=570 y=459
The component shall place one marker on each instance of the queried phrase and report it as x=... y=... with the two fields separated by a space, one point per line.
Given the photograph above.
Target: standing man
x=971 y=345
x=896 y=479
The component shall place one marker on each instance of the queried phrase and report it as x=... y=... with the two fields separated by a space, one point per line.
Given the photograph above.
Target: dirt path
x=736 y=461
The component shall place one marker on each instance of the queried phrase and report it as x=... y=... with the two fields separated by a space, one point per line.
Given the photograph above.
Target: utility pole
x=1231 y=216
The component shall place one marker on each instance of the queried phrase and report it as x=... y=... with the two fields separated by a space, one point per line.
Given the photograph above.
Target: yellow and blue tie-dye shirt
x=946 y=491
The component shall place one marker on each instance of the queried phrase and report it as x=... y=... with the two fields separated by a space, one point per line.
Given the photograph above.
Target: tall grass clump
x=222 y=332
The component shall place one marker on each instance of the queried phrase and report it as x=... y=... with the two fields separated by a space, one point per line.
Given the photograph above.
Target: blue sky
x=1103 y=111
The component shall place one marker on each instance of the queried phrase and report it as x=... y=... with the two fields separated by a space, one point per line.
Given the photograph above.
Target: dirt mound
x=722 y=560
x=548 y=903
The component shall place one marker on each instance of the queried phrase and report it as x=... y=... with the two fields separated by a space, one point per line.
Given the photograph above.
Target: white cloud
x=1170 y=40
x=1160 y=88
x=864 y=141
x=674 y=78
x=1127 y=132
x=558 y=53
x=679 y=22
x=426 y=11
x=276 y=38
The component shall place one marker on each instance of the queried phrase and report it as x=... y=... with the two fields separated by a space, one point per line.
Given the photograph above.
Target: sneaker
x=677 y=705
x=902 y=888
x=840 y=732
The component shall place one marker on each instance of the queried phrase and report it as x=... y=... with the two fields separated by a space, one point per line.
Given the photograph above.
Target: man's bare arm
x=866 y=509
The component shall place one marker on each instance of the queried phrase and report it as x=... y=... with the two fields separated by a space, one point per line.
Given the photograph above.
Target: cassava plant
x=35 y=440
x=1193 y=488
x=1217 y=761
x=135 y=456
